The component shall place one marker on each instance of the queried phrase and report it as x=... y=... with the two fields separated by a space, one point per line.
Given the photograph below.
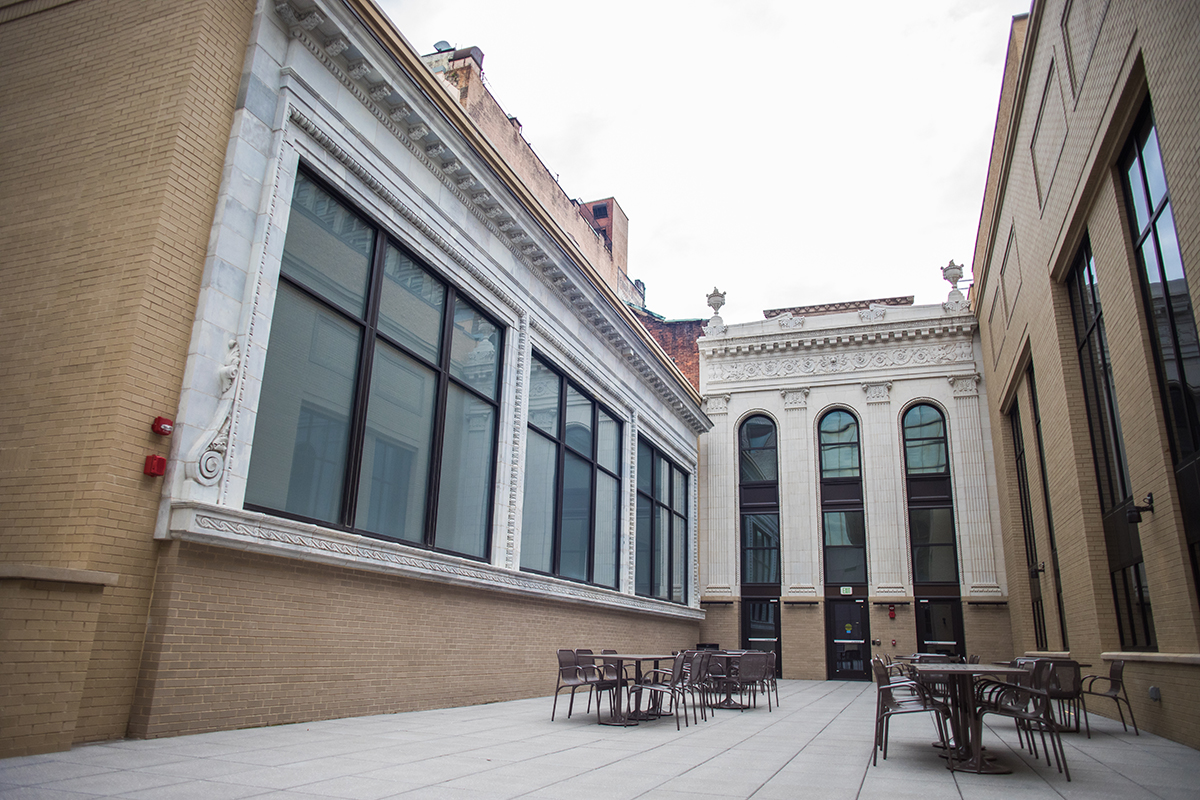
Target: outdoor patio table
x=731 y=660
x=966 y=753
x=621 y=714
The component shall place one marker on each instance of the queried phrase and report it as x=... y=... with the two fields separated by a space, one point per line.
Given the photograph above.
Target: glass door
x=760 y=629
x=847 y=634
x=940 y=627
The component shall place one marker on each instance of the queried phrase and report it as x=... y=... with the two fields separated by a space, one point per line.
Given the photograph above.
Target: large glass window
x=759 y=503
x=930 y=504
x=1172 y=321
x=571 y=520
x=1130 y=597
x=662 y=526
x=842 y=515
x=380 y=389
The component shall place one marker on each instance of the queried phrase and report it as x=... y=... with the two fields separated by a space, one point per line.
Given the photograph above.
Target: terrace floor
x=816 y=745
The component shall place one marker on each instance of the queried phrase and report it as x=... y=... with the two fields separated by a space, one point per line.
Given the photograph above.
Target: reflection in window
x=843 y=518
x=571 y=519
x=930 y=504
x=353 y=310
x=662 y=527
x=759 y=501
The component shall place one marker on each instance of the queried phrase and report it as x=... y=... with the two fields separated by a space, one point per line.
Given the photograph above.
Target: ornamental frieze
x=742 y=369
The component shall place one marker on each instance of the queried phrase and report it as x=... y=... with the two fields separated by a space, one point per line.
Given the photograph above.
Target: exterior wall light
x=1134 y=514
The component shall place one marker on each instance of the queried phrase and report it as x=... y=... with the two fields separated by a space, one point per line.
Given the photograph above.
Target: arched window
x=842 y=515
x=930 y=505
x=759 y=501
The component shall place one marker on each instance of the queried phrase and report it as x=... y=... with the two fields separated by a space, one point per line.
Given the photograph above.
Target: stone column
x=800 y=533
x=718 y=526
x=887 y=542
x=974 y=530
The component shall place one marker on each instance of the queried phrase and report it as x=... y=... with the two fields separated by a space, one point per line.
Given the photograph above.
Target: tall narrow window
x=930 y=502
x=759 y=501
x=1031 y=552
x=662 y=526
x=1134 y=622
x=1168 y=308
x=380 y=390
x=1055 y=572
x=571 y=519
x=842 y=515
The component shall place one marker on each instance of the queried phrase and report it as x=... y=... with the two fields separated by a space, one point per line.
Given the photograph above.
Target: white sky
x=788 y=153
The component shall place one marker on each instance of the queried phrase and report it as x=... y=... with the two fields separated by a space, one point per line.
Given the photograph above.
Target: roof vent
x=443 y=46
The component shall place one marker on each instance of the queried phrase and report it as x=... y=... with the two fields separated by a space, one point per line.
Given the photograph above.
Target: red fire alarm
x=891 y=612
x=162 y=426
x=155 y=466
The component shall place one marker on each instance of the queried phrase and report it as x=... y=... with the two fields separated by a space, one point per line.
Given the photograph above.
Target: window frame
x=563 y=446
x=929 y=491
x=842 y=493
x=367 y=324
x=678 y=541
x=759 y=499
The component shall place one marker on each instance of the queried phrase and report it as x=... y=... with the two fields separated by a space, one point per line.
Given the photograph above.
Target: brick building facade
x=1087 y=272
x=411 y=408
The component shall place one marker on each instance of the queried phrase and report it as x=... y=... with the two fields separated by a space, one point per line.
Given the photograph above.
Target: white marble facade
x=875 y=363
x=319 y=88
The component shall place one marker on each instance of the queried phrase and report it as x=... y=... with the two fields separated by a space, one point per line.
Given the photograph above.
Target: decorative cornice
x=755 y=339
x=874 y=313
x=789 y=323
x=240 y=530
x=414 y=135
x=833 y=364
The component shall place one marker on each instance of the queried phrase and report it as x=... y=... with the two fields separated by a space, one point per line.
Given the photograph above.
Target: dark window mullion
x=362 y=388
x=440 y=402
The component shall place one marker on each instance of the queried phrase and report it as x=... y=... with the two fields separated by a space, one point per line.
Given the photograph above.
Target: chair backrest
x=1065 y=680
x=610 y=666
x=677 y=668
x=566 y=658
x=753 y=667
x=974 y=659
x=1115 y=671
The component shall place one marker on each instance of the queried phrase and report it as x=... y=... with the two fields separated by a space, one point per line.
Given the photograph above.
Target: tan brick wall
x=46 y=633
x=722 y=623
x=117 y=117
x=988 y=632
x=802 y=641
x=239 y=640
x=903 y=629
x=1144 y=48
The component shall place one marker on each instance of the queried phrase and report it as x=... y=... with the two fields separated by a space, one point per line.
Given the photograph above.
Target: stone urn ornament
x=716 y=325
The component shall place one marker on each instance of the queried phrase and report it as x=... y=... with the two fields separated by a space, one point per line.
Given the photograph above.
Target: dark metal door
x=760 y=629
x=940 y=627
x=847 y=634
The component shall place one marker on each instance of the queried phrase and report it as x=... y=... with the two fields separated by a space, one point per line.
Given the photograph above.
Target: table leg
x=967 y=752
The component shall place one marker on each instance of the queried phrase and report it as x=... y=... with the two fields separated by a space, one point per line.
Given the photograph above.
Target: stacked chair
x=1028 y=703
x=899 y=695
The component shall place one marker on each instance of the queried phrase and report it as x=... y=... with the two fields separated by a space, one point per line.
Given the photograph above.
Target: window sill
x=1188 y=659
x=219 y=526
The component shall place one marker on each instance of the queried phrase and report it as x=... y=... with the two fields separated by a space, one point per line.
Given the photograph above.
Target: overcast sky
x=788 y=153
